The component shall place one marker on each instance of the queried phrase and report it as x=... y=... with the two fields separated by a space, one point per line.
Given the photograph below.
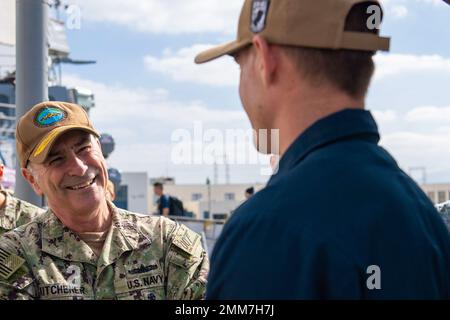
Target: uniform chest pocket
x=141 y=287
x=62 y=281
x=182 y=261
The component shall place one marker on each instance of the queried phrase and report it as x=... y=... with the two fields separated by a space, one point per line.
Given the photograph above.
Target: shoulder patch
x=9 y=264
x=186 y=240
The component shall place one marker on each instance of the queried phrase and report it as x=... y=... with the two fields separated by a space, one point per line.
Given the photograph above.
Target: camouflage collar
x=124 y=236
x=60 y=241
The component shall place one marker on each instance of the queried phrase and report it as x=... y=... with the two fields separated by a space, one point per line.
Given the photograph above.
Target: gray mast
x=31 y=70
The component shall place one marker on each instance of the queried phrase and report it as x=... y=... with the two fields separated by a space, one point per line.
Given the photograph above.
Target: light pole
x=208 y=184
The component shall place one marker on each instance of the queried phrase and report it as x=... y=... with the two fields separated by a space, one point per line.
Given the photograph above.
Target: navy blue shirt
x=163 y=203
x=340 y=220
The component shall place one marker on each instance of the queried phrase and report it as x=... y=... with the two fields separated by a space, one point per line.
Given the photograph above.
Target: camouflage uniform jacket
x=144 y=257
x=16 y=212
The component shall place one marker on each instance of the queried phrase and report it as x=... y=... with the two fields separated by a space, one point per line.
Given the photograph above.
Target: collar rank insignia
x=9 y=264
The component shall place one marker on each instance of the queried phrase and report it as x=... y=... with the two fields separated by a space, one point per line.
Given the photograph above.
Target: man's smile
x=82 y=185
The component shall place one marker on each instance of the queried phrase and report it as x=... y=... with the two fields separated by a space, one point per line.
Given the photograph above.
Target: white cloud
x=429 y=150
x=144 y=106
x=384 y=116
x=426 y=119
x=180 y=66
x=394 y=64
x=390 y=3
x=418 y=138
x=432 y=2
x=142 y=122
x=165 y=17
x=399 y=11
x=429 y=115
x=193 y=16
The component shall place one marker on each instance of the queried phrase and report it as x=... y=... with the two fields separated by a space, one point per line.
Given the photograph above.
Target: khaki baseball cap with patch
x=39 y=128
x=303 y=23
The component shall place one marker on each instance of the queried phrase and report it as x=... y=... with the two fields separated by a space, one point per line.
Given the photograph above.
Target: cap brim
x=219 y=51
x=40 y=152
x=363 y=41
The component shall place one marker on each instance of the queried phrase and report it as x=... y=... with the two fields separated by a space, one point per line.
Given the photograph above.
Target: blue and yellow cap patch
x=49 y=116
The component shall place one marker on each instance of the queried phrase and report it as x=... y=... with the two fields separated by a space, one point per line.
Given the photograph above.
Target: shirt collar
x=124 y=235
x=337 y=126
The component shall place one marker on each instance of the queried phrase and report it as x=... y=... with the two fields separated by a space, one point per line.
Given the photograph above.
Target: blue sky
x=147 y=85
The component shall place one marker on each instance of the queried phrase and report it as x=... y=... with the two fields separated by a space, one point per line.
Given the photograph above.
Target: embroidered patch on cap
x=48 y=116
x=9 y=263
x=259 y=15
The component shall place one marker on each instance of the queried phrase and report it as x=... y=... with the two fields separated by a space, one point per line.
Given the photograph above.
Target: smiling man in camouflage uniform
x=84 y=247
x=13 y=211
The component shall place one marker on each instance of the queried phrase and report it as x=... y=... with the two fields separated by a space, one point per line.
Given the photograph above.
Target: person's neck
x=98 y=220
x=301 y=110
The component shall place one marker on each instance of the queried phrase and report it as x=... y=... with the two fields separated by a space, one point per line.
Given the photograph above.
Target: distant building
x=216 y=201
x=437 y=192
x=133 y=192
x=163 y=180
x=202 y=201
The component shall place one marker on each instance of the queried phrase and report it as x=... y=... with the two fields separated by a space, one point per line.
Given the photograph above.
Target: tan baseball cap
x=303 y=23
x=40 y=127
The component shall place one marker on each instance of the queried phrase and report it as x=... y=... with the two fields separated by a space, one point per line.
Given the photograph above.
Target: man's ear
x=2 y=168
x=32 y=181
x=266 y=59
